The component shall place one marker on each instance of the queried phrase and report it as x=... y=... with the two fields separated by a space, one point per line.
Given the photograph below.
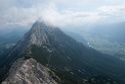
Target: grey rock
x=39 y=33
x=30 y=72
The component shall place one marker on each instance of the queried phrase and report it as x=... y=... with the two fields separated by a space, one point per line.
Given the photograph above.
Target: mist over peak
x=60 y=13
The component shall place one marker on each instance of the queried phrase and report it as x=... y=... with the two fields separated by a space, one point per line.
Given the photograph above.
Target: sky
x=23 y=13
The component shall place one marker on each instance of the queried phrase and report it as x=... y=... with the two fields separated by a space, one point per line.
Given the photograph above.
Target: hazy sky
x=16 y=13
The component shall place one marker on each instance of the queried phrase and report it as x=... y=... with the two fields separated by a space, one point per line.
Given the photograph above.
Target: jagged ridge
x=30 y=72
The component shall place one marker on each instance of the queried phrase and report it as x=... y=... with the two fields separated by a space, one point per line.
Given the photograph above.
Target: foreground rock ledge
x=30 y=72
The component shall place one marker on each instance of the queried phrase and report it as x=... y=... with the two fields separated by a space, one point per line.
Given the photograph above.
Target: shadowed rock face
x=30 y=72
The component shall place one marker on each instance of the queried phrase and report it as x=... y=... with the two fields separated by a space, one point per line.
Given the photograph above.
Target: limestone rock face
x=30 y=72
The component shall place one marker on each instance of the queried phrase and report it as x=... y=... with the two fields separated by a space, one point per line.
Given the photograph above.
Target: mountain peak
x=40 y=33
x=39 y=25
x=42 y=25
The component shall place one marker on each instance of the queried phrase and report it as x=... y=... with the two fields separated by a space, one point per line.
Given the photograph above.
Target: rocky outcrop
x=30 y=72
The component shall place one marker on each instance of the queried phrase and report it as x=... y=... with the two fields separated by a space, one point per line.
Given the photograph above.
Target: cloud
x=62 y=18
x=113 y=13
x=103 y=14
x=15 y=13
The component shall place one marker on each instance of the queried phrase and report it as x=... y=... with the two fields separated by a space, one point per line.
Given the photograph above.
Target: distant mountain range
x=71 y=61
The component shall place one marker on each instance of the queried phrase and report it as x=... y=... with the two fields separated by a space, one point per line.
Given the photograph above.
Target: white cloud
x=14 y=15
x=113 y=13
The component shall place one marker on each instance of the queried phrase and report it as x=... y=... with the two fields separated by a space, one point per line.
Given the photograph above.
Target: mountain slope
x=70 y=60
x=30 y=72
x=77 y=37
